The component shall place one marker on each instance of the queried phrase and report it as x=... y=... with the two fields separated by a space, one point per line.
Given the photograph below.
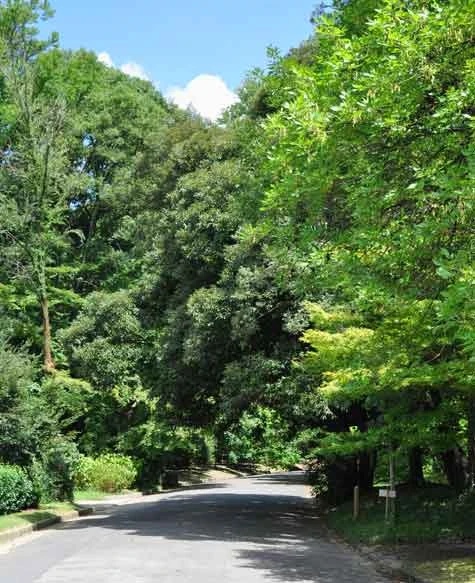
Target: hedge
x=16 y=489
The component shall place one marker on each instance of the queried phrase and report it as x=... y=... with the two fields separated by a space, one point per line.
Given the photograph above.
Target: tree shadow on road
x=270 y=529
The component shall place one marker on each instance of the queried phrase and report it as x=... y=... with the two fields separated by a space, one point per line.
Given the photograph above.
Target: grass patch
x=90 y=495
x=44 y=512
x=429 y=514
x=447 y=571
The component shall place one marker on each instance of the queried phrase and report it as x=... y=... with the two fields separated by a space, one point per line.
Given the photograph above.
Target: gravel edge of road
x=393 y=566
x=389 y=567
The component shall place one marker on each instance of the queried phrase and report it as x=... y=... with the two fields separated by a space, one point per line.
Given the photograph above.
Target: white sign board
x=387 y=493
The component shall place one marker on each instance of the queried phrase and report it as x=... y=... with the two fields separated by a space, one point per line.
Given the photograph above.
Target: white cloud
x=208 y=95
x=132 y=69
x=105 y=59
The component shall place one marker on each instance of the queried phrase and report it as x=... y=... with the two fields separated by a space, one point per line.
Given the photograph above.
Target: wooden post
x=386 y=510
x=356 y=502
x=471 y=443
x=392 y=484
x=390 y=510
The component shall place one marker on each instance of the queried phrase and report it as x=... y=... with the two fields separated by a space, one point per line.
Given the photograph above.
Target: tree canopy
x=294 y=281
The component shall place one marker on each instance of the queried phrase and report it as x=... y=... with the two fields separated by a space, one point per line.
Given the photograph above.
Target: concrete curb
x=8 y=536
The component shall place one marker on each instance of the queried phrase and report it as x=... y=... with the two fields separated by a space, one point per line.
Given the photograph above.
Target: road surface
x=254 y=530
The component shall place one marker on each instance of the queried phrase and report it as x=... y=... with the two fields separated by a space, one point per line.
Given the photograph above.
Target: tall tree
x=34 y=177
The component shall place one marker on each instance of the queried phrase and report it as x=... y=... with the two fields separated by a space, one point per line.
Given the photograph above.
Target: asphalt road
x=246 y=530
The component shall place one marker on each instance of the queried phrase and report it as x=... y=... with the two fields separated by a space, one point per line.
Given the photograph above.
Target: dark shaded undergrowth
x=428 y=514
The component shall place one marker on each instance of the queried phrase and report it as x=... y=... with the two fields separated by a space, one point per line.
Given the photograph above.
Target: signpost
x=390 y=493
x=386 y=493
x=356 y=502
x=356 y=491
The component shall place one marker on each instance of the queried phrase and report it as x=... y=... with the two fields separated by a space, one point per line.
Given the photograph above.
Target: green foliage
x=42 y=482
x=260 y=437
x=67 y=398
x=16 y=489
x=103 y=342
x=368 y=178
x=61 y=460
x=16 y=373
x=295 y=282
x=36 y=182
x=24 y=421
x=104 y=346
x=158 y=445
x=106 y=473
x=318 y=478
x=208 y=446
x=431 y=514
x=156 y=303
x=85 y=472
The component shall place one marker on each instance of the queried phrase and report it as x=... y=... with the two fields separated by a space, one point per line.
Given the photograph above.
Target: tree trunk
x=342 y=476
x=455 y=467
x=416 y=472
x=48 y=361
x=471 y=443
x=366 y=468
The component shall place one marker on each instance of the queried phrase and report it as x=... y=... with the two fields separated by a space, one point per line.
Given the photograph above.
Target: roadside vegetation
x=294 y=283
x=431 y=514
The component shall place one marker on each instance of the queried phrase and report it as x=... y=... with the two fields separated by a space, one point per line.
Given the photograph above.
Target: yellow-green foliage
x=341 y=353
x=330 y=318
x=107 y=473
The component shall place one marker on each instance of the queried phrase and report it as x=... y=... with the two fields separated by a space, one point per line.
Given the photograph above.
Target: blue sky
x=195 y=50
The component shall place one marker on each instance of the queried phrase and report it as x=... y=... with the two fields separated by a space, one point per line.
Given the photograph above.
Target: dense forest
x=295 y=282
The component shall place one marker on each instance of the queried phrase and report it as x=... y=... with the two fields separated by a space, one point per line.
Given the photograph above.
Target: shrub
x=41 y=482
x=19 y=410
x=317 y=474
x=16 y=489
x=203 y=447
x=108 y=473
x=61 y=462
x=209 y=449
x=85 y=473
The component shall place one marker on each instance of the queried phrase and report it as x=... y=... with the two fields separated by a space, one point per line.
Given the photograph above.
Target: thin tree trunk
x=366 y=468
x=91 y=231
x=48 y=361
x=471 y=443
x=416 y=472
